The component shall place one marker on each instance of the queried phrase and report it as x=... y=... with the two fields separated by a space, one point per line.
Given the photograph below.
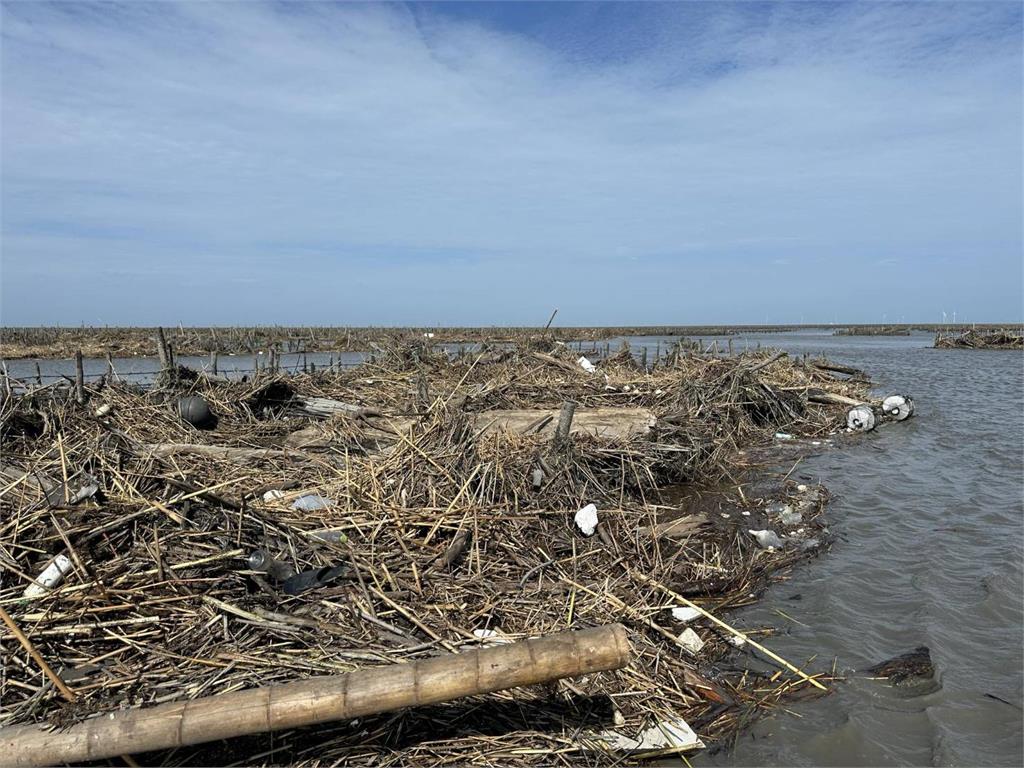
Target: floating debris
x=907 y=667
x=860 y=418
x=898 y=407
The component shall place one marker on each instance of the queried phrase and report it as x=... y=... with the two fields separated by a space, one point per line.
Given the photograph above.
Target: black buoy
x=196 y=411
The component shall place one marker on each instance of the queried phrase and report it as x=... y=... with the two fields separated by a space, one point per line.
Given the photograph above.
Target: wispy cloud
x=486 y=163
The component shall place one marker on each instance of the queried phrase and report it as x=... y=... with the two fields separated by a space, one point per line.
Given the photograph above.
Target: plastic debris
x=789 y=517
x=273 y=494
x=329 y=534
x=260 y=561
x=537 y=478
x=104 y=410
x=784 y=436
x=320 y=577
x=860 y=418
x=196 y=411
x=53 y=574
x=89 y=488
x=898 y=407
x=586 y=365
x=685 y=613
x=311 y=502
x=767 y=539
x=491 y=636
x=586 y=520
x=738 y=641
x=667 y=734
x=690 y=641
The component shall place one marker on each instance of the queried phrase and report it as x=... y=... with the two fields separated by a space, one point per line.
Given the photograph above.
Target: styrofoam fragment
x=685 y=613
x=690 y=641
x=586 y=520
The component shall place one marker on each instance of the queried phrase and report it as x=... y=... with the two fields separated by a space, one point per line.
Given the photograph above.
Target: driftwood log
x=836 y=368
x=830 y=398
x=320 y=700
x=166 y=450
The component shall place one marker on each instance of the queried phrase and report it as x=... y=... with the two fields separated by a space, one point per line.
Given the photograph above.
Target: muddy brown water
x=928 y=517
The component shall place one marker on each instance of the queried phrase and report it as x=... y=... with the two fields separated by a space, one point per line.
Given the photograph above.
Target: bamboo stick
x=319 y=700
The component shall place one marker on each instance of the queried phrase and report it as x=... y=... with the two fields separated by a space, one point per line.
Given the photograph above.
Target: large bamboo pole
x=323 y=699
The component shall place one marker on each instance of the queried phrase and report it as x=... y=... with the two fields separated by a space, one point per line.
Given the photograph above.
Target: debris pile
x=1008 y=338
x=206 y=536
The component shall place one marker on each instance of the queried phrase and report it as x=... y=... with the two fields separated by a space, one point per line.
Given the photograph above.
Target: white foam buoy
x=898 y=407
x=860 y=418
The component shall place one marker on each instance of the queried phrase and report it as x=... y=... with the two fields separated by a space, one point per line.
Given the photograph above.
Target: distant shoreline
x=128 y=341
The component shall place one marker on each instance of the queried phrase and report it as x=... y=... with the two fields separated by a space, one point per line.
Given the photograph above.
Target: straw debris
x=433 y=492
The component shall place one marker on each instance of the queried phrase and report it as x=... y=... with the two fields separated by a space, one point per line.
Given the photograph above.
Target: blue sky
x=478 y=164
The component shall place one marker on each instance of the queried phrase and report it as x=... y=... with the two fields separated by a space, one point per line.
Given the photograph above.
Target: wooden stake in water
x=564 y=425
x=161 y=349
x=79 y=378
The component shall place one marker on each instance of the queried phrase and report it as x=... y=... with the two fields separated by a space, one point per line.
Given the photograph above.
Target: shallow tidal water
x=929 y=520
x=928 y=516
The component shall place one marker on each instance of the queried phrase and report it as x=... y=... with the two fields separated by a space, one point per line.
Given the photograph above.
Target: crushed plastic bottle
x=260 y=561
x=789 y=517
x=767 y=539
x=311 y=502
